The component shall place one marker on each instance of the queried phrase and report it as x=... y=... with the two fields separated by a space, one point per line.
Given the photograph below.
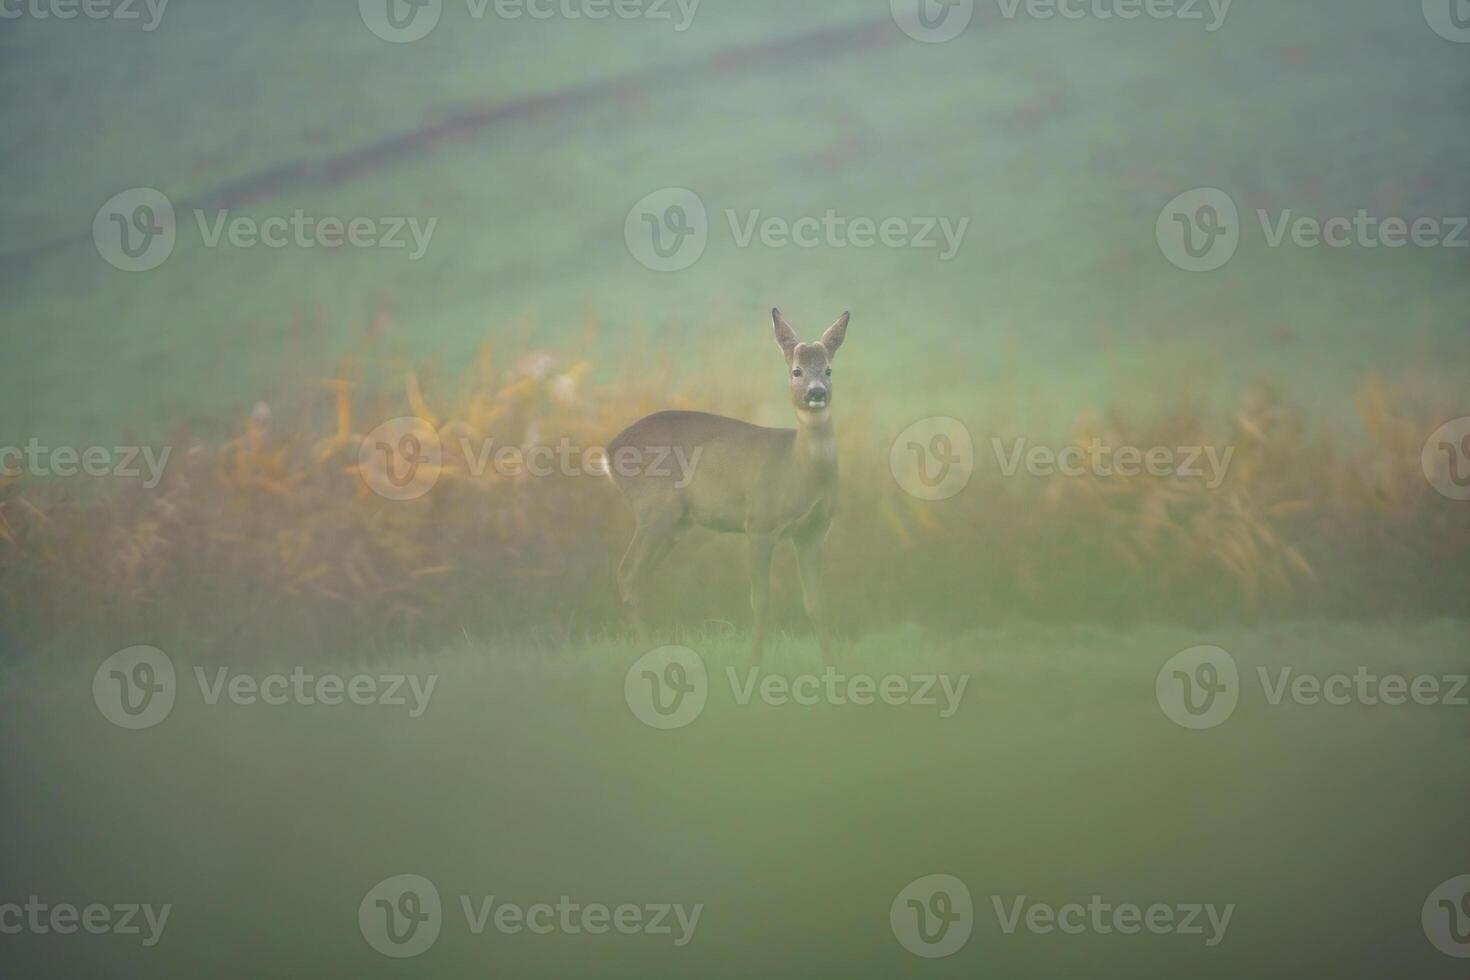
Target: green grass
x=528 y=777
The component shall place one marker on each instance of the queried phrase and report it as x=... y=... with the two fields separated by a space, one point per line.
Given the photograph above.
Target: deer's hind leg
x=658 y=530
x=630 y=604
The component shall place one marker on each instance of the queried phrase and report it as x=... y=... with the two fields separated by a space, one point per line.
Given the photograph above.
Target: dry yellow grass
x=275 y=536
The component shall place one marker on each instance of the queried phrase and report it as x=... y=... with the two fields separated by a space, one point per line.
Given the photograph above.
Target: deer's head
x=809 y=366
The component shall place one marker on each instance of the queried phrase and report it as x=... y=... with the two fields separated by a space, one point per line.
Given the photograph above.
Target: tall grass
x=275 y=537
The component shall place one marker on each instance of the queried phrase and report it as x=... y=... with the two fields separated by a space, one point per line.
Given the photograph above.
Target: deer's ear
x=835 y=334
x=785 y=336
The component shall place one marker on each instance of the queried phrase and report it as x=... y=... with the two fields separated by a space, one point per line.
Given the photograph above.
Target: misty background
x=523 y=150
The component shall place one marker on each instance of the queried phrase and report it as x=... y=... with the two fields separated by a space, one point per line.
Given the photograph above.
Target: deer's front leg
x=761 y=546
x=814 y=596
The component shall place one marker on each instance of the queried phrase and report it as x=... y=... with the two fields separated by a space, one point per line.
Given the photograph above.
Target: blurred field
x=528 y=778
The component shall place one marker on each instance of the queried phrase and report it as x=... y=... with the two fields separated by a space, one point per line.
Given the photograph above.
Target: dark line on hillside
x=368 y=158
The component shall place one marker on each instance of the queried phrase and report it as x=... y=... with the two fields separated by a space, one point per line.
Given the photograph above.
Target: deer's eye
x=796 y=372
x=829 y=372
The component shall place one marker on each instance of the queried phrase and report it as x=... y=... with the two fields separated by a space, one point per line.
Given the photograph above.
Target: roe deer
x=768 y=484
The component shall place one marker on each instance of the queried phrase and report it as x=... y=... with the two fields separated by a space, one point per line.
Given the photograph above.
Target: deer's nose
x=816 y=394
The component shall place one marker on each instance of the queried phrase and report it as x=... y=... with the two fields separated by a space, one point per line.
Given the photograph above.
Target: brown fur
x=768 y=484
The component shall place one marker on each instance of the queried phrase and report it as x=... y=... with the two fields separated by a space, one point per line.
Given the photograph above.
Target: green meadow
x=793 y=826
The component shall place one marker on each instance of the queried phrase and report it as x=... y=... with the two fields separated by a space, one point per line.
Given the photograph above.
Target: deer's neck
x=816 y=442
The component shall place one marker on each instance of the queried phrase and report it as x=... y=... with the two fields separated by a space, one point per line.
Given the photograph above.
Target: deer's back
x=698 y=428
